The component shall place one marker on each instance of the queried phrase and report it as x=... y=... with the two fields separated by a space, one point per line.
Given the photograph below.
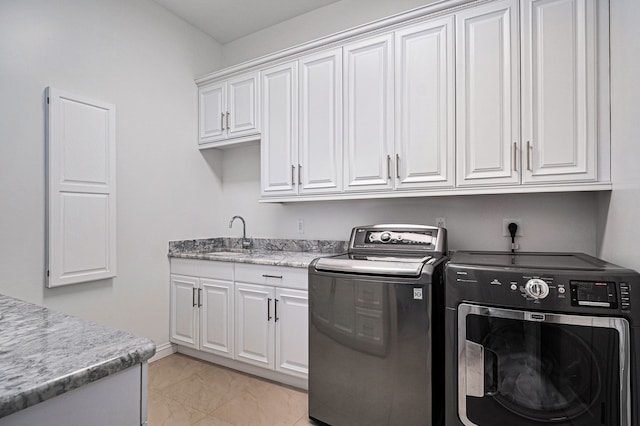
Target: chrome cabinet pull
x=275 y=314
x=269 y=309
x=293 y=170
x=515 y=156
x=193 y=296
x=199 y=297
x=222 y=121
x=388 y=167
x=272 y=276
x=398 y=166
x=529 y=149
x=228 y=128
x=299 y=180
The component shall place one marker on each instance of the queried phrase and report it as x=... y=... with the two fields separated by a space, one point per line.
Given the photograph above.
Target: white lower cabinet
x=242 y=316
x=202 y=307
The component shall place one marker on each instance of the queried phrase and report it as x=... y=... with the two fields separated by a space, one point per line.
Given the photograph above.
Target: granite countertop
x=273 y=252
x=44 y=353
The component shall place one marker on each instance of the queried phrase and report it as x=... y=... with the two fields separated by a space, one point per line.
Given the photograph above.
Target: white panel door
x=81 y=189
x=211 y=103
x=216 y=317
x=292 y=332
x=368 y=116
x=254 y=324
x=242 y=116
x=487 y=94
x=184 y=311
x=320 y=143
x=559 y=90
x=425 y=105
x=279 y=144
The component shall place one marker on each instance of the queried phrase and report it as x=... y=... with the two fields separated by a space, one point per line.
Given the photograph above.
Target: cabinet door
x=184 y=311
x=292 y=332
x=320 y=143
x=559 y=90
x=242 y=116
x=212 y=112
x=279 y=145
x=254 y=324
x=216 y=317
x=368 y=118
x=487 y=94
x=425 y=105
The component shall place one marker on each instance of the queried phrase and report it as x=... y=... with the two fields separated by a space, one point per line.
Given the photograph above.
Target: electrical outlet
x=300 y=226
x=505 y=227
x=441 y=222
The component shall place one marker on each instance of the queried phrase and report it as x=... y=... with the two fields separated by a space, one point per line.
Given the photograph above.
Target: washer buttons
x=514 y=287
x=561 y=290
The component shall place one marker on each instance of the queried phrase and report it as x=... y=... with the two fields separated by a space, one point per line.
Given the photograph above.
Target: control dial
x=536 y=288
x=385 y=237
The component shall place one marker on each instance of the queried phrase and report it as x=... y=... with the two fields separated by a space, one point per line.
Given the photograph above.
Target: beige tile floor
x=187 y=391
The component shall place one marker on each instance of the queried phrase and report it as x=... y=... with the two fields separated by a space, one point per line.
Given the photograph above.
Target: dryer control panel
x=594 y=293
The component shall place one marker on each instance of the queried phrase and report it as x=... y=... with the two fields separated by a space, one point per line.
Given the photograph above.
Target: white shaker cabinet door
x=279 y=144
x=212 y=108
x=292 y=332
x=241 y=117
x=184 y=311
x=424 y=71
x=320 y=143
x=254 y=324
x=487 y=94
x=559 y=70
x=368 y=115
x=216 y=316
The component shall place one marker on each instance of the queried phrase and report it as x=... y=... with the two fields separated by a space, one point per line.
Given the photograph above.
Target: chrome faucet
x=246 y=242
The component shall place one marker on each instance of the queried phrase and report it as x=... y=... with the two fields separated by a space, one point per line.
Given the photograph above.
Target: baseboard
x=164 y=350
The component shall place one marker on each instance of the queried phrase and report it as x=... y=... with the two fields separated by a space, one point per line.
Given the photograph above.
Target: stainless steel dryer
x=541 y=339
x=376 y=329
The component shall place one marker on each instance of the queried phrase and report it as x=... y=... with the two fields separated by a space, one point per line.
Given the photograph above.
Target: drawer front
x=276 y=276
x=202 y=268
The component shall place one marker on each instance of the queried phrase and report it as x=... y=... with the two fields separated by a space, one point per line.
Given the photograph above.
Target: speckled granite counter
x=44 y=353
x=293 y=253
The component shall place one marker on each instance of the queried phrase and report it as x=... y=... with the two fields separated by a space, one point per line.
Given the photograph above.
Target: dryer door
x=531 y=368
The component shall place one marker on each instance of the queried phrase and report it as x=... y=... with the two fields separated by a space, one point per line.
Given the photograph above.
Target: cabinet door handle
x=293 y=171
x=389 y=167
x=222 y=121
x=199 y=297
x=193 y=296
x=269 y=309
x=515 y=156
x=228 y=121
x=275 y=314
x=272 y=276
x=529 y=149
x=299 y=180
x=398 y=166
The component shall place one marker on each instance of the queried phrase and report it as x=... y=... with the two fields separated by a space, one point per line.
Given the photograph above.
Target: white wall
x=619 y=224
x=137 y=56
x=559 y=222
x=318 y=23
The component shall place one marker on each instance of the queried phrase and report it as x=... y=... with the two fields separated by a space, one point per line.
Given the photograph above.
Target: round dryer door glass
x=544 y=372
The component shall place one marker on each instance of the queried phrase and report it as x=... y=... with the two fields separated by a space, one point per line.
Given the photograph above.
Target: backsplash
x=209 y=244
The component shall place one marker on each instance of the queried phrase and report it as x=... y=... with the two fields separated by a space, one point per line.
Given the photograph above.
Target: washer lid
x=577 y=261
x=375 y=264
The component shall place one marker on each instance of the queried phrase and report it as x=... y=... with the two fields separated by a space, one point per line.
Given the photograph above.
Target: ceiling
x=227 y=20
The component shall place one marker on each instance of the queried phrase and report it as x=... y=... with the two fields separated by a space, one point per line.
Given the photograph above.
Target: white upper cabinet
x=559 y=105
x=320 y=143
x=279 y=145
x=487 y=94
x=368 y=116
x=229 y=109
x=424 y=122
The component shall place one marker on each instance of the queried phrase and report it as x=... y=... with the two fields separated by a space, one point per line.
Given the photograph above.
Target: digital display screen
x=593 y=293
